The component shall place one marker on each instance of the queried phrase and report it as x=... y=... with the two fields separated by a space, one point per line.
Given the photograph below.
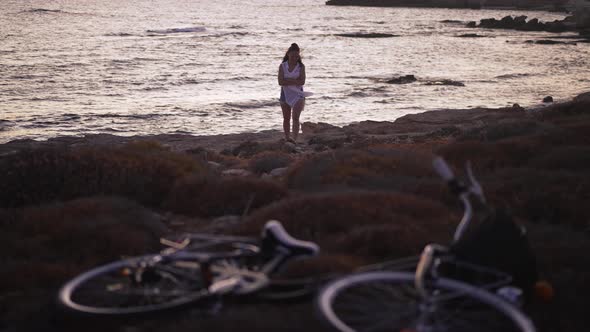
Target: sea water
x=135 y=67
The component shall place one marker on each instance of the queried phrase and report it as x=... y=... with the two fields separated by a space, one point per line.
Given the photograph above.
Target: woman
x=291 y=79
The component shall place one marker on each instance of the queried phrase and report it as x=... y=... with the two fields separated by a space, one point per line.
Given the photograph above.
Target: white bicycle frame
x=428 y=258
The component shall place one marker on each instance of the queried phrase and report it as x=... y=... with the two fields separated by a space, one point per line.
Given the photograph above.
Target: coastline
x=474 y=4
x=443 y=123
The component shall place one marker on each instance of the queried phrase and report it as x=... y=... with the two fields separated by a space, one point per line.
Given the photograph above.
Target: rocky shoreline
x=472 y=4
x=315 y=137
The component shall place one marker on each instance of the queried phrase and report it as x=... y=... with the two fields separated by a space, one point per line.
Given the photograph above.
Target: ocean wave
x=251 y=104
x=147 y=116
x=47 y=99
x=231 y=79
x=5 y=124
x=516 y=75
x=70 y=116
x=154 y=88
x=119 y=34
x=178 y=30
x=42 y=10
x=186 y=81
x=228 y=34
x=50 y=11
x=22 y=77
x=358 y=94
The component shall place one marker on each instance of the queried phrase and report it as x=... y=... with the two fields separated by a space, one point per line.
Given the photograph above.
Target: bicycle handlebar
x=442 y=168
x=460 y=189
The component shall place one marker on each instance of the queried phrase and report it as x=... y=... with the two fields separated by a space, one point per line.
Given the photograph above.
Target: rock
x=276 y=173
x=548 y=99
x=213 y=165
x=445 y=82
x=550 y=42
x=489 y=23
x=582 y=97
x=470 y=35
x=555 y=26
x=313 y=128
x=517 y=107
x=402 y=79
x=507 y=22
x=533 y=25
x=367 y=35
x=471 y=24
x=452 y=21
x=247 y=149
x=236 y=172
x=520 y=20
x=289 y=147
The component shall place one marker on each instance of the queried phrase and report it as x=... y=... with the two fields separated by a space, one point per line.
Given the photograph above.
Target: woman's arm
x=281 y=77
x=286 y=81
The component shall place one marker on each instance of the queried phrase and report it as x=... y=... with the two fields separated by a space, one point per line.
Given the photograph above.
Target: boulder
x=533 y=25
x=555 y=26
x=402 y=79
x=520 y=20
x=276 y=173
x=314 y=128
x=489 y=23
x=445 y=82
x=548 y=99
x=470 y=35
x=507 y=22
x=367 y=35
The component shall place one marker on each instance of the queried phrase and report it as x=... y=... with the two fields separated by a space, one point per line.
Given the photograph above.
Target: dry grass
x=344 y=223
x=49 y=243
x=140 y=171
x=210 y=197
x=553 y=196
x=376 y=168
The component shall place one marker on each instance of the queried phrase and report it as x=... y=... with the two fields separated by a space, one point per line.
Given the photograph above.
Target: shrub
x=502 y=130
x=141 y=171
x=542 y=195
x=209 y=196
x=488 y=156
x=332 y=220
x=45 y=245
x=573 y=158
x=377 y=168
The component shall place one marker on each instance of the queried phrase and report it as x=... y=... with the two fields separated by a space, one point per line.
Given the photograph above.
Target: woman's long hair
x=294 y=47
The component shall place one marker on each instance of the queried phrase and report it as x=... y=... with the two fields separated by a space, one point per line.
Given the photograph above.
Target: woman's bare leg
x=286 y=119
x=297 y=109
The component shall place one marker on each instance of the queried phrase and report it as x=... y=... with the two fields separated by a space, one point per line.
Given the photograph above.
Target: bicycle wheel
x=388 y=301
x=134 y=286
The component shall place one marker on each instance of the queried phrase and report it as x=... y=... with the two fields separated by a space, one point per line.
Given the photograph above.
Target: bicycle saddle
x=275 y=238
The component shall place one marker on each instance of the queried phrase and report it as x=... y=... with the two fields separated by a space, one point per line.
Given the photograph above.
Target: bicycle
x=456 y=288
x=200 y=267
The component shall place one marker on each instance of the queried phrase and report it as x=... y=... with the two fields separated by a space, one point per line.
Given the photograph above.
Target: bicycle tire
x=86 y=293
x=464 y=304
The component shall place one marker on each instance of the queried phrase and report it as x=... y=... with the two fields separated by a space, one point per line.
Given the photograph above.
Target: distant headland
x=525 y=4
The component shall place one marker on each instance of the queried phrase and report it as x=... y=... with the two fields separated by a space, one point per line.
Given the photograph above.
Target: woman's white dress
x=293 y=93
